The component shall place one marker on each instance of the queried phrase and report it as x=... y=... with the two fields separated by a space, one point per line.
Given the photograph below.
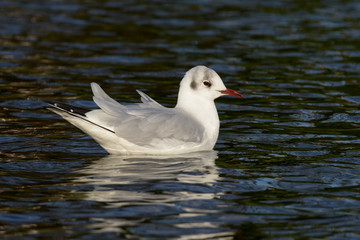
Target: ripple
x=296 y=124
x=14 y=218
x=288 y=151
x=352 y=99
x=312 y=153
x=342 y=117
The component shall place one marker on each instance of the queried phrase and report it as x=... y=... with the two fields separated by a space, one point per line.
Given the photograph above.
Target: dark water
x=287 y=161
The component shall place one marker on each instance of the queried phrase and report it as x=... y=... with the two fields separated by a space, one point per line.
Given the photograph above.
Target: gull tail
x=78 y=116
x=74 y=115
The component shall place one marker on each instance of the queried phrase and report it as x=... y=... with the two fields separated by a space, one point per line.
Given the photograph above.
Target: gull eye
x=207 y=83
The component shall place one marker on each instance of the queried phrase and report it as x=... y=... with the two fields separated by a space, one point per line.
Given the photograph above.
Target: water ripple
x=287 y=161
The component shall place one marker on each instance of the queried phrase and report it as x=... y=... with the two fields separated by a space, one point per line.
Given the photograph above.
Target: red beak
x=229 y=91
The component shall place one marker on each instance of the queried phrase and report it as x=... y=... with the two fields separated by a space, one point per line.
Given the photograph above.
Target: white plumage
x=150 y=128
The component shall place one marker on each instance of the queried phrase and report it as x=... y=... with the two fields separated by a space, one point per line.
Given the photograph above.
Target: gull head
x=205 y=83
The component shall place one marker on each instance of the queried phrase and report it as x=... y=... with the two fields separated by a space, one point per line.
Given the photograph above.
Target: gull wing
x=112 y=107
x=148 y=101
x=106 y=103
x=146 y=123
x=150 y=127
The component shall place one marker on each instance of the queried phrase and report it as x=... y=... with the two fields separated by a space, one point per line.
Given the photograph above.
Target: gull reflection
x=120 y=180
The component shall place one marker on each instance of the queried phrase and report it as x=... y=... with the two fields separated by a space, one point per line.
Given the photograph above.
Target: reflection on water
x=157 y=195
x=150 y=179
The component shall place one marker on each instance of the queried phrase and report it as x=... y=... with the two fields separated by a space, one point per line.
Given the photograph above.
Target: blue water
x=286 y=165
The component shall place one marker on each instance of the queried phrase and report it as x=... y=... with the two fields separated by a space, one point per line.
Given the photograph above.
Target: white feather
x=150 y=128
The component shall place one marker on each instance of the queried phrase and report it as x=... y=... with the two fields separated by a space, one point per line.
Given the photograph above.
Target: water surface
x=286 y=164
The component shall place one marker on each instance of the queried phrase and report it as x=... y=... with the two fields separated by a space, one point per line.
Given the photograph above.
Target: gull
x=150 y=128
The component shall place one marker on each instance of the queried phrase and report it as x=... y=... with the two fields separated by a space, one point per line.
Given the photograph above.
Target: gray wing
x=162 y=125
x=144 y=123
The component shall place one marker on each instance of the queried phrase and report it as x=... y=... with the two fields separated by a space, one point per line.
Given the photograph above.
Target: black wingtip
x=79 y=112
x=67 y=108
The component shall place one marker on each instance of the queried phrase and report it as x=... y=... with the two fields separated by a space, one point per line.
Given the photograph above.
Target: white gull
x=150 y=128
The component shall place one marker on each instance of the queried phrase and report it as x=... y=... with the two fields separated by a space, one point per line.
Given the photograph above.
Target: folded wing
x=146 y=123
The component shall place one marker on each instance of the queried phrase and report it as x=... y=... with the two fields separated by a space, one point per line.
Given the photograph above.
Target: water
x=286 y=164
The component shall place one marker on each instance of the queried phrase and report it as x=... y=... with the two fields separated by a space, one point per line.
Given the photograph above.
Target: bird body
x=150 y=128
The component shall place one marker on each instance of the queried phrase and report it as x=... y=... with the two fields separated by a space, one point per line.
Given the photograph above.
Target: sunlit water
x=286 y=164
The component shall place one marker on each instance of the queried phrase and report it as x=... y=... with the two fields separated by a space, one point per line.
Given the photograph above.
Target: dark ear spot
x=193 y=85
